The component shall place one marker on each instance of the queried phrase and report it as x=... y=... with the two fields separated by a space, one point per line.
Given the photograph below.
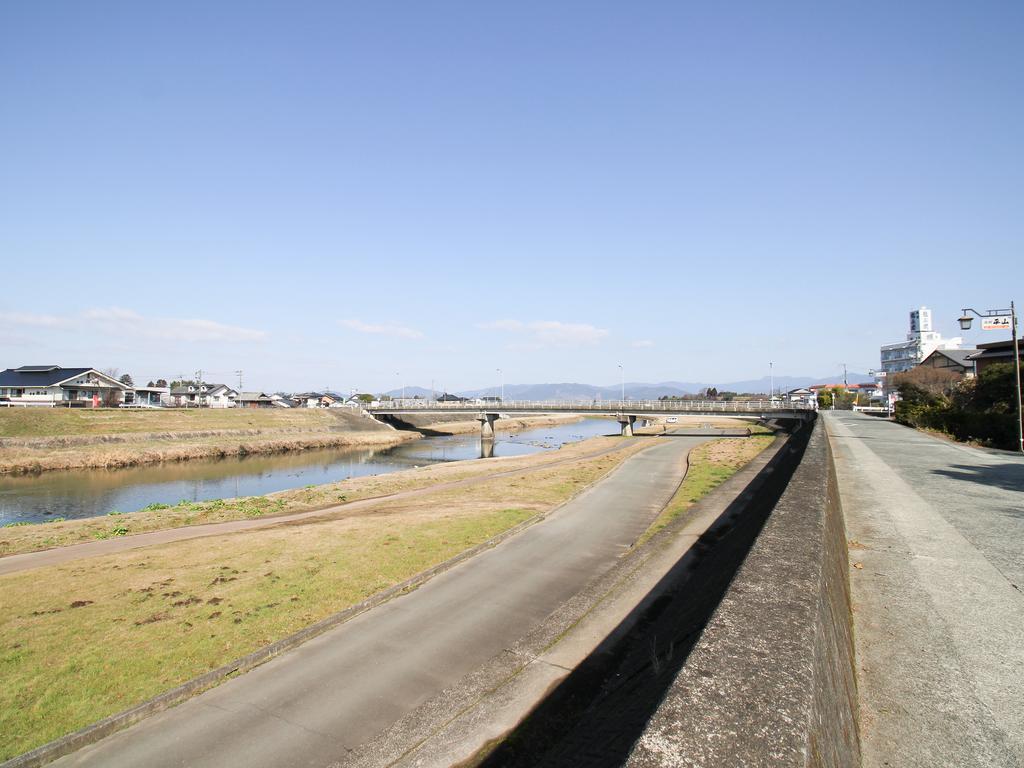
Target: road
x=311 y=706
x=936 y=531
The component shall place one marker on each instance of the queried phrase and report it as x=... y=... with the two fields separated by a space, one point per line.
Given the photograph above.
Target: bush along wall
x=982 y=410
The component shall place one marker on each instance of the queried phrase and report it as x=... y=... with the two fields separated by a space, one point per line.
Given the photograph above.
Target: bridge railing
x=601 y=406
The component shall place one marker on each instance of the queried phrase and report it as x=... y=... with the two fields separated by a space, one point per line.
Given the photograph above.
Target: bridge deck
x=759 y=408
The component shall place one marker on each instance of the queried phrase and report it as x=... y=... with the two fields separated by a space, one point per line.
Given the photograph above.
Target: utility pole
x=239 y=381
x=502 y=374
x=199 y=375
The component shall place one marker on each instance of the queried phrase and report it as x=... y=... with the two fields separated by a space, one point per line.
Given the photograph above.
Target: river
x=88 y=493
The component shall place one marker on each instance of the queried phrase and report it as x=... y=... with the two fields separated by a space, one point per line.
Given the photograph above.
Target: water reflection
x=88 y=493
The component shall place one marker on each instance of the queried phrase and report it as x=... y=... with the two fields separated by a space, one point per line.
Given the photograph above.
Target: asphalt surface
x=936 y=532
x=312 y=706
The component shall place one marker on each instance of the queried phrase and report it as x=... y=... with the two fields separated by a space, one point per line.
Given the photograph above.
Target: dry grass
x=31 y=538
x=38 y=439
x=86 y=639
x=711 y=464
x=62 y=422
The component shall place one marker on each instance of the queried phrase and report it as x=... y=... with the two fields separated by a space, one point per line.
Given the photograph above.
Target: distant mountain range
x=638 y=390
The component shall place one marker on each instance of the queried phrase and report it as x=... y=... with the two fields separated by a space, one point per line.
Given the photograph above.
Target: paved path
x=310 y=707
x=58 y=555
x=938 y=600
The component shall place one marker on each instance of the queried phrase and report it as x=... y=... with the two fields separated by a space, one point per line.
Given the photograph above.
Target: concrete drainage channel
x=584 y=687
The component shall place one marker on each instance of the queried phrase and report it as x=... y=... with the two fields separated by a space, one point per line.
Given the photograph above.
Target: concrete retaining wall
x=771 y=680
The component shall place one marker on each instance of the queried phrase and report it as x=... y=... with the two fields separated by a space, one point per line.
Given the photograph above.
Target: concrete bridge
x=626 y=412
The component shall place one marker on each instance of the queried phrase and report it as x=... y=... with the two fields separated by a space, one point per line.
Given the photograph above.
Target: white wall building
x=921 y=342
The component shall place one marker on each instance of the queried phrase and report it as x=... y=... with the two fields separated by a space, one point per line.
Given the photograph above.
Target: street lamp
x=771 y=374
x=997 y=320
x=502 y=374
x=622 y=379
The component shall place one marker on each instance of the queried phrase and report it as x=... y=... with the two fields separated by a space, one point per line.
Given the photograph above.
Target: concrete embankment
x=771 y=679
x=740 y=654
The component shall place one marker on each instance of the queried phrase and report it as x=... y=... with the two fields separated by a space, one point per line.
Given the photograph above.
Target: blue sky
x=362 y=194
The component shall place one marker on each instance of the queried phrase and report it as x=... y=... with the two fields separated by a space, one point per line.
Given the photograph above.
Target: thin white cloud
x=32 y=320
x=642 y=343
x=550 y=333
x=383 y=329
x=121 y=323
x=111 y=313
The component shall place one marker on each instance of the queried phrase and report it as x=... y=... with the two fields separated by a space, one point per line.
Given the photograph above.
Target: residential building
x=254 y=400
x=956 y=361
x=995 y=352
x=52 y=385
x=801 y=395
x=203 y=395
x=146 y=397
x=921 y=342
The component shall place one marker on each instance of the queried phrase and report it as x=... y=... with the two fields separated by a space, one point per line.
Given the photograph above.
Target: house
x=956 y=361
x=52 y=385
x=146 y=397
x=446 y=398
x=319 y=399
x=253 y=400
x=191 y=394
x=801 y=395
x=283 y=401
x=995 y=352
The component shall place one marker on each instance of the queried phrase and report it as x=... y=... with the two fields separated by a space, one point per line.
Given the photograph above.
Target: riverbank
x=38 y=440
x=146 y=620
x=33 y=537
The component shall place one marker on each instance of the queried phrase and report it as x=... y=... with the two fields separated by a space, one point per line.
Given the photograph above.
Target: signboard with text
x=997 y=323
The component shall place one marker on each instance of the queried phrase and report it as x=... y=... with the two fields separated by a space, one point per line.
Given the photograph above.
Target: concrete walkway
x=312 y=706
x=936 y=533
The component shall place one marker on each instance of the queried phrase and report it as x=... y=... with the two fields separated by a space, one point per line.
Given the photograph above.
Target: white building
x=921 y=342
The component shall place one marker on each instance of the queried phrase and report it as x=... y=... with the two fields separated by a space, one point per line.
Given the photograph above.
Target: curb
x=90 y=734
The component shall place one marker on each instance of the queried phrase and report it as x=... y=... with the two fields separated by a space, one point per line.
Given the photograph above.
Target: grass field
x=84 y=640
x=60 y=422
x=711 y=464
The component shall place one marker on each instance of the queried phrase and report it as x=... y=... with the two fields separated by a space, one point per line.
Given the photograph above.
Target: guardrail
x=598 y=406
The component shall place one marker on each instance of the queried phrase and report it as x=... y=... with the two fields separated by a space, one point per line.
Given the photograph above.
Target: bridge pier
x=487 y=449
x=487 y=425
x=626 y=422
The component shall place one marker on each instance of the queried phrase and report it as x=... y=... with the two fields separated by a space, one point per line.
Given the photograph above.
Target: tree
x=127 y=380
x=939 y=383
x=993 y=390
x=161 y=382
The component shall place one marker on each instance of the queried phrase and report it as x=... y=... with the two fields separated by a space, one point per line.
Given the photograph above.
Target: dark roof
x=246 y=397
x=39 y=375
x=996 y=349
x=37 y=368
x=184 y=388
x=958 y=356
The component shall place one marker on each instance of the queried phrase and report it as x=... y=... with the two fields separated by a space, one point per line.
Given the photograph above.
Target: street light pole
x=502 y=374
x=965 y=324
x=771 y=373
x=622 y=379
